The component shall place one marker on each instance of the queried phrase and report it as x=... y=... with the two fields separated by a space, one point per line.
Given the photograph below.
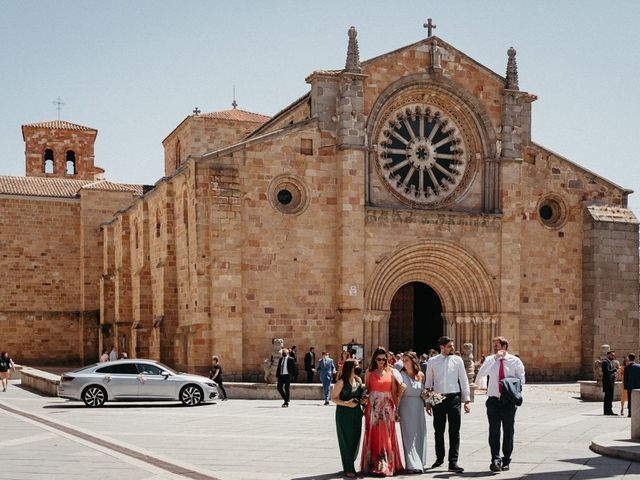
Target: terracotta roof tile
x=237 y=115
x=605 y=213
x=58 y=187
x=59 y=124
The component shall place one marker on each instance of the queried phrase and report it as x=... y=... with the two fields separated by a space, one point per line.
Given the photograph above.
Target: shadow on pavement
x=80 y=405
x=326 y=476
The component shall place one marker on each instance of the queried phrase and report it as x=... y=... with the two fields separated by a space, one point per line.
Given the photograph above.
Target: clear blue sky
x=134 y=70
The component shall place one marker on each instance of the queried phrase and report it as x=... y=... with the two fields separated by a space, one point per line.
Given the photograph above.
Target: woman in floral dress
x=380 y=451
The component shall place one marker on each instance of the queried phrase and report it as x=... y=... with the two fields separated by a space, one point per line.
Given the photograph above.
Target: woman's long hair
x=378 y=351
x=414 y=361
x=347 y=369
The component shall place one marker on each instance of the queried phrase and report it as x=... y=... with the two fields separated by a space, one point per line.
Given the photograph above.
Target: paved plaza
x=52 y=438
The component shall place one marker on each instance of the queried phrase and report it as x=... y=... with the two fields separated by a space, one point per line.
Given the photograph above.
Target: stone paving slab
x=257 y=439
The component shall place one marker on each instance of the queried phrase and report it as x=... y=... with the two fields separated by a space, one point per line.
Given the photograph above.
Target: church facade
x=400 y=199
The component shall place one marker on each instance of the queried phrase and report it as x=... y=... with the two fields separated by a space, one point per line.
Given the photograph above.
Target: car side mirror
x=165 y=374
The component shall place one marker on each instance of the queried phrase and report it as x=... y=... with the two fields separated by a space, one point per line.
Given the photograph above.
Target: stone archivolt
x=461 y=281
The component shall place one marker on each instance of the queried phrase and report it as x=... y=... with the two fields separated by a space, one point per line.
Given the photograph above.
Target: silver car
x=135 y=380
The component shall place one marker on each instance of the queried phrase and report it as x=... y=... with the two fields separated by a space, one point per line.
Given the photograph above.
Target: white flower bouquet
x=431 y=397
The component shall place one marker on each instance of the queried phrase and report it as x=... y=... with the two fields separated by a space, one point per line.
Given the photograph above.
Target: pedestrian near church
x=215 y=374
x=309 y=364
x=413 y=422
x=113 y=354
x=631 y=379
x=380 y=449
x=501 y=410
x=294 y=354
x=344 y=355
x=447 y=376
x=347 y=395
x=105 y=356
x=620 y=376
x=326 y=369
x=608 y=381
x=6 y=366
x=286 y=366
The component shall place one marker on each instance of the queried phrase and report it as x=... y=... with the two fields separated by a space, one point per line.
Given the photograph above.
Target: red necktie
x=500 y=375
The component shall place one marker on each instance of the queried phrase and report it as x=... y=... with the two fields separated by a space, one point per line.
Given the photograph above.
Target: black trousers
x=608 y=399
x=283 y=387
x=221 y=388
x=447 y=410
x=501 y=416
x=628 y=402
x=309 y=377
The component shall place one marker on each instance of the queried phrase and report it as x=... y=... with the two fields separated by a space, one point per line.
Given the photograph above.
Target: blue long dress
x=413 y=424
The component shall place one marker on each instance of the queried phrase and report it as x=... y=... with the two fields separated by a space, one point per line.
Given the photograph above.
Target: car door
x=153 y=384
x=121 y=379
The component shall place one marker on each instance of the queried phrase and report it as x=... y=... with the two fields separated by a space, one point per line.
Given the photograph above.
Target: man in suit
x=294 y=354
x=309 y=364
x=608 y=381
x=631 y=378
x=500 y=413
x=286 y=367
x=326 y=369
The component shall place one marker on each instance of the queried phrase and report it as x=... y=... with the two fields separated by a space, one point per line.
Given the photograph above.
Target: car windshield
x=168 y=369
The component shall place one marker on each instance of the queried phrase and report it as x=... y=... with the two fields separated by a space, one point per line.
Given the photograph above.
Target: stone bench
x=266 y=391
x=42 y=382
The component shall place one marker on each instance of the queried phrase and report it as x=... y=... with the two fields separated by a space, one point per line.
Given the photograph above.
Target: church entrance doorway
x=416 y=319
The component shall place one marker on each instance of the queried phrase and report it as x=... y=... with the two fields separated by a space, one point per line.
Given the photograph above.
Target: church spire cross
x=353 y=53
x=196 y=111
x=58 y=103
x=512 y=70
x=234 y=104
x=430 y=26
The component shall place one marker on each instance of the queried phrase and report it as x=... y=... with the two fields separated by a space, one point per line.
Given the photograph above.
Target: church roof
x=59 y=187
x=606 y=213
x=59 y=124
x=237 y=115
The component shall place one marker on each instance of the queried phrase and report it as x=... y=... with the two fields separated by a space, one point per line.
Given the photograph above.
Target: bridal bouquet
x=431 y=397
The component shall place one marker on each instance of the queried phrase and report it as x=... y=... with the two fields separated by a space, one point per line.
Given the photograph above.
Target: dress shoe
x=454 y=467
x=496 y=465
x=284 y=405
x=437 y=463
x=326 y=402
x=505 y=468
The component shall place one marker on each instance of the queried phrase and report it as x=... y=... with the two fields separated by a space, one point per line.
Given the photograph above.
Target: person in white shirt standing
x=447 y=376
x=500 y=414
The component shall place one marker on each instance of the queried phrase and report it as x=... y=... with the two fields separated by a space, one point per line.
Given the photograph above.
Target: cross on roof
x=196 y=111
x=58 y=103
x=429 y=26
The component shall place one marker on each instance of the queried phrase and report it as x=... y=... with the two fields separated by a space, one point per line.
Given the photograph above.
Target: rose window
x=421 y=154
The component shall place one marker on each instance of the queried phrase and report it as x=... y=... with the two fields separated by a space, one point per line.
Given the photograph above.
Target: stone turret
x=516 y=117
x=350 y=106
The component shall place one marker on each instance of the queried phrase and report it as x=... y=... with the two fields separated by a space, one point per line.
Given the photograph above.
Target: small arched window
x=178 y=159
x=158 y=224
x=48 y=161
x=136 y=233
x=71 y=162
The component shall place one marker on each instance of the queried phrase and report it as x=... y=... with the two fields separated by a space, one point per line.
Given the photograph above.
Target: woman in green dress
x=347 y=395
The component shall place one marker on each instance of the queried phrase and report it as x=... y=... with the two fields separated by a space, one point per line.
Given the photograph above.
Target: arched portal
x=416 y=320
x=469 y=302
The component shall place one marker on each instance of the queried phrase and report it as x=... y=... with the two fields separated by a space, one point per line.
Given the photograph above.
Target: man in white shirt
x=500 y=414
x=447 y=376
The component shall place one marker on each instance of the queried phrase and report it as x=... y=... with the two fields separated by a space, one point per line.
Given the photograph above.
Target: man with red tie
x=501 y=414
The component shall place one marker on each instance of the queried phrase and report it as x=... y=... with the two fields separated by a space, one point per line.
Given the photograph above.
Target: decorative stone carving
x=467 y=358
x=512 y=70
x=352 y=64
x=270 y=365
x=436 y=56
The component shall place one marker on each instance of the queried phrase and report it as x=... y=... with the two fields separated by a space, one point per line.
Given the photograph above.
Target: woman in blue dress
x=413 y=422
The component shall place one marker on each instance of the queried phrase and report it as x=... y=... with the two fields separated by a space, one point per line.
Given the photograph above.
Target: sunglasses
x=381 y=359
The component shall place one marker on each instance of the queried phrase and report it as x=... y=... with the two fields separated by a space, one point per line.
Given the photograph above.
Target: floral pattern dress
x=380 y=450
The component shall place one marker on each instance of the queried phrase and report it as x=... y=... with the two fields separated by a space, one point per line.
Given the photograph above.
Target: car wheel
x=191 y=395
x=94 y=396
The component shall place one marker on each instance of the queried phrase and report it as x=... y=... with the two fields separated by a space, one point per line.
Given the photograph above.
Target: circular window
x=552 y=211
x=422 y=154
x=284 y=197
x=288 y=194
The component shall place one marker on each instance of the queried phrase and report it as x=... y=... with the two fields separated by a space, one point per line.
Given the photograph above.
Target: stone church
x=400 y=199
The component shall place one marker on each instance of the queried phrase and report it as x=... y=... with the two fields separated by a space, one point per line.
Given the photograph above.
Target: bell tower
x=60 y=149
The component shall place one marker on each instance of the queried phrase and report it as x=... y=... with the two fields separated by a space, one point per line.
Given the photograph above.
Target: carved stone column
x=376 y=331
